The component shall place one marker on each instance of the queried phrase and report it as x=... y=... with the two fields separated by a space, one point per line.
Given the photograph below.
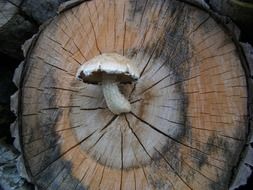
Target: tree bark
x=188 y=123
x=240 y=11
x=19 y=20
x=14 y=28
x=9 y=175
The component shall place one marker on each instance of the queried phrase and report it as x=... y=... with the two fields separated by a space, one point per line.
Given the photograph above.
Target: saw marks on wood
x=187 y=122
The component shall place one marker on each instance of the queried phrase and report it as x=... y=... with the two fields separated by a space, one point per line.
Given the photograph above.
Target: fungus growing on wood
x=187 y=123
x=109 y=70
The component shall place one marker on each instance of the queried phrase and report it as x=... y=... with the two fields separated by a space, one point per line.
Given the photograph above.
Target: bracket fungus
x=110 y=70
x=188 y=119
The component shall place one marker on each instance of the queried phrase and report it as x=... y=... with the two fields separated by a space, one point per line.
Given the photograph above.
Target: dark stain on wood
x=174 y=49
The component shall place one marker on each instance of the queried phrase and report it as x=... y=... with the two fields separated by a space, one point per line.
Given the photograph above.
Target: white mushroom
x=110 y=69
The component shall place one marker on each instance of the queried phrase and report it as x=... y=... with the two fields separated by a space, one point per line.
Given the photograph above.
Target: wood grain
x=189 y=107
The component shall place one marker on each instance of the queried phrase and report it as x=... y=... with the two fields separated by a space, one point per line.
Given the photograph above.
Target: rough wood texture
x=9 y=176
x=245 y=168
x=14 y=28
x=189 y=108
x=19 y=20
x=41 y=11
x=240 y=11
x=7 y=10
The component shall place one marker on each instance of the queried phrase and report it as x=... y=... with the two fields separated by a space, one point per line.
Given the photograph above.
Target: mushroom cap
x=111 y=64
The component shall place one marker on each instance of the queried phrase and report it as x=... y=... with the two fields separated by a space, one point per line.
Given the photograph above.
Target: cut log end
x=188 y=109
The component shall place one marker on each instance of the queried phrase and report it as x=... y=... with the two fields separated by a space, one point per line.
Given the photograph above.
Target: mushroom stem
x=115 y=101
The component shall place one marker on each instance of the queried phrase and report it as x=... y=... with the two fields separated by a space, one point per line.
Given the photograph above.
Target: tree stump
x=188 y=122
